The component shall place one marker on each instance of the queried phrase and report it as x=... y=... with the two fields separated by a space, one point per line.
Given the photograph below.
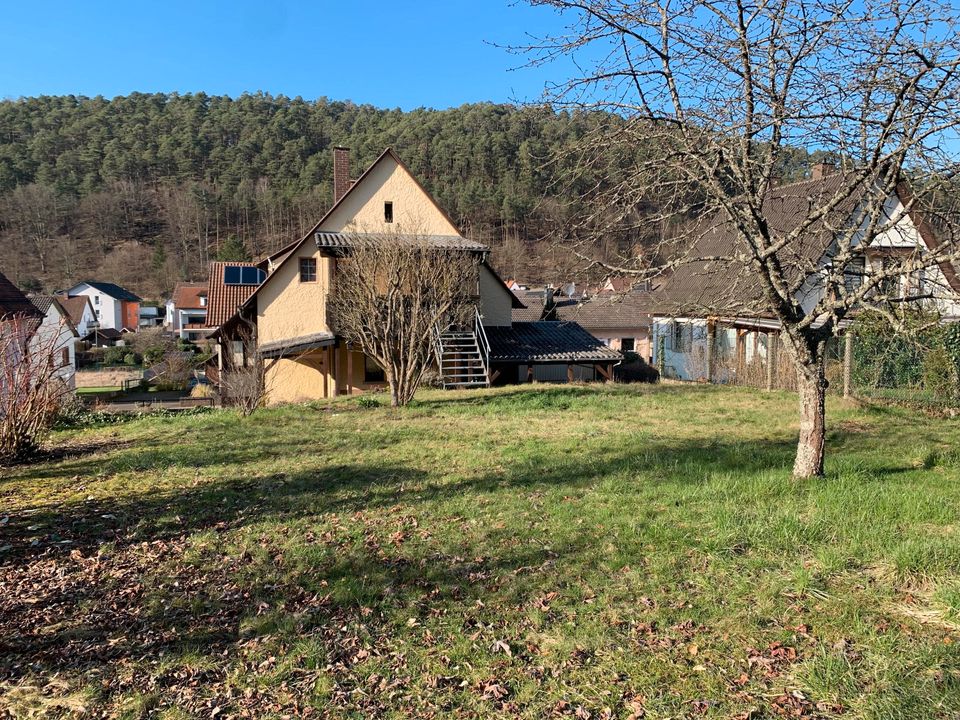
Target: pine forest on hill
x=145 y=190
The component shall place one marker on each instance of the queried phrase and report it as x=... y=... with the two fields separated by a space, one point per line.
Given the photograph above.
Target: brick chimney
x=341 y=172
x=818 y=171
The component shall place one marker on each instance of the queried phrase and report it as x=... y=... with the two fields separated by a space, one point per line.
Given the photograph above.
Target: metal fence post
x=847 y=362
x=711 y=339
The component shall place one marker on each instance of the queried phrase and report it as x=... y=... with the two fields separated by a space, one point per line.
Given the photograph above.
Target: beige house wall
x=300 y=379
x=413 y=211
x=288 y=308
x=495 y=300
x=310 y=376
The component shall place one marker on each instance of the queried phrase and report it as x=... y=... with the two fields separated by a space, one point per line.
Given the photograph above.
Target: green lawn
x=97 y=390
x=544 y=551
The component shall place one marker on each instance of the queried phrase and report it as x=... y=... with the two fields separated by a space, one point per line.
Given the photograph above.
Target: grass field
x=544 y=551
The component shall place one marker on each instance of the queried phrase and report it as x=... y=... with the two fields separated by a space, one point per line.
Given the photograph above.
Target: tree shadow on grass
x=83 y=613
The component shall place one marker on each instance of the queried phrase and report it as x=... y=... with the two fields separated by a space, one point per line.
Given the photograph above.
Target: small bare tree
x=392 y=292
x=243 y=382
x=711 y=98
x=32 y=387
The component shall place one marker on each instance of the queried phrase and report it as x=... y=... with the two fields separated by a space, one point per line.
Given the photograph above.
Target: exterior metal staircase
x=463 y=356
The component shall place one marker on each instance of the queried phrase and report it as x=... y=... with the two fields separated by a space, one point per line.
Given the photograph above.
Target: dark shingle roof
x=13 y=301
x=41 y=302
x=610 y=311
x=732 y=286
x=343 y=241
x=533 y=299
x=547 y=342
x=114 y=291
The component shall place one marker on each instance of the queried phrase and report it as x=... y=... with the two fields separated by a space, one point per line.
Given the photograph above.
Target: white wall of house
x=109 y=311
x=55 y=333
x=683 y=344
x=901 y=235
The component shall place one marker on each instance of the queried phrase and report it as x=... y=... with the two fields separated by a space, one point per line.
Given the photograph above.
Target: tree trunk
x=812 y=391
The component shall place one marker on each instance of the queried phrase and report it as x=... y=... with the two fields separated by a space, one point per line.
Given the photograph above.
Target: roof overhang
x=296 y=345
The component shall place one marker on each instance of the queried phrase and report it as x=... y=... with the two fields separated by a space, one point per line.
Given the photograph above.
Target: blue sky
x=391 y=54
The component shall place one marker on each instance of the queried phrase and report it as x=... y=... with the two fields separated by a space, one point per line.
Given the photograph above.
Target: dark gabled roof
x=533 y=306
x=609 y=311
x=13 y=301
x=114 y=291
x=731 y=286
x=345 y=241
x=224 y=300
x=105 y=333
x=41 y=302
x=547 y=342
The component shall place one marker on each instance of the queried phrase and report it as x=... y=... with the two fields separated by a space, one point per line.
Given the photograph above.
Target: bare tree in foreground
x=392 y=292
x=243 y=382
x=31 y=388
x=722 y=91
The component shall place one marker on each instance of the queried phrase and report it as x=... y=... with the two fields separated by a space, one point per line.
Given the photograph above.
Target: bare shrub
x=243 y=381
x=31 y=389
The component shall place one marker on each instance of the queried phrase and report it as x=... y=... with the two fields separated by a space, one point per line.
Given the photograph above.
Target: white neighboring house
x=57 y=324
x=116 y=308
x=187 y=311
x=701 y=300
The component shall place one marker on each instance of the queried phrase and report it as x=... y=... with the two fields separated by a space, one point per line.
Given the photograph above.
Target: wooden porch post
x=349 y=370
x=334 y=367
x=771 y=358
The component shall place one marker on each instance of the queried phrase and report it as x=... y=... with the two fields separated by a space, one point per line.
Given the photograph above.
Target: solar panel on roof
x=240 y=275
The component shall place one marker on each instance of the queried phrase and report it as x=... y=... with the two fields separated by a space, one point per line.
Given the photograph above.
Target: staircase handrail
x=484 y=344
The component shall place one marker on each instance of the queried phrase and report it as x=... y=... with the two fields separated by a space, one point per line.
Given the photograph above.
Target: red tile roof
x=186 y=296
x=223 y=300
x=74 y=307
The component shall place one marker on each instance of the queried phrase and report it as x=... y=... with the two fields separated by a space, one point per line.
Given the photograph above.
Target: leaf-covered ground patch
x=583 y=552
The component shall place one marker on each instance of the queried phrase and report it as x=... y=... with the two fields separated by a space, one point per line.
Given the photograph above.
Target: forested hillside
x=144 y=190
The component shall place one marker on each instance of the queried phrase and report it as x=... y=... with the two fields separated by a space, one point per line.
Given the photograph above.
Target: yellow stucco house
x=286 y=297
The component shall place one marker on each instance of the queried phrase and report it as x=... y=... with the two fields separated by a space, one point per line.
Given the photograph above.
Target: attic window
x=308 y=270
x=388 y=211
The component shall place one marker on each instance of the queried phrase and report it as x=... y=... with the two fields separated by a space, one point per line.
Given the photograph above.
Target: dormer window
x=388 y=211
x=203 y=301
